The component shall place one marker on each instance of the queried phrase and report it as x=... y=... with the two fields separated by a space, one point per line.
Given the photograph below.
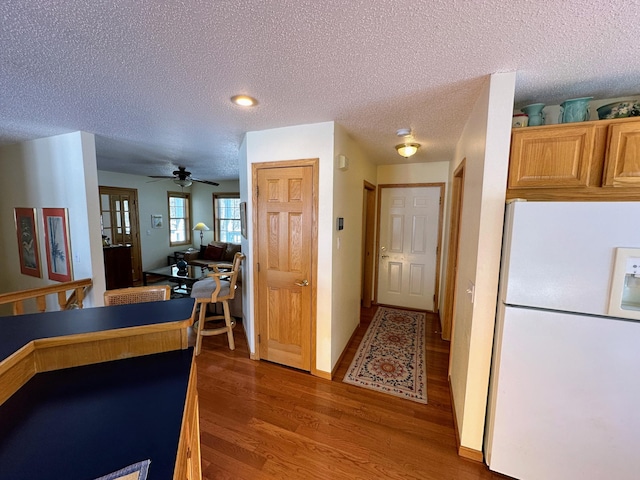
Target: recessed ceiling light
x=244 y=100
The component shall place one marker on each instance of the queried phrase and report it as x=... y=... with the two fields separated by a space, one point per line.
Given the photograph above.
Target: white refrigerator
x=564 y=399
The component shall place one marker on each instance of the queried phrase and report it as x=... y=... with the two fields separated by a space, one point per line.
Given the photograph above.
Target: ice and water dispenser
x=624 y=300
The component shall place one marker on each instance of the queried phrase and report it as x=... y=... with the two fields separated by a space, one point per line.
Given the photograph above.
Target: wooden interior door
x=285 y=267
x=409 y=238
x=119 y=216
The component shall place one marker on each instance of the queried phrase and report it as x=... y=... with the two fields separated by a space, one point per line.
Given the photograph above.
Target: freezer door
x=565 y=397
x=560 y=255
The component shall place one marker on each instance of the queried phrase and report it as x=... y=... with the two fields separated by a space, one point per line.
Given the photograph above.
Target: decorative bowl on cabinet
x=622 y=109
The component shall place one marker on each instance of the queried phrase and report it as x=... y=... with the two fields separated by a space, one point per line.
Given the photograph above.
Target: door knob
x=303 y=283
x=385 y=256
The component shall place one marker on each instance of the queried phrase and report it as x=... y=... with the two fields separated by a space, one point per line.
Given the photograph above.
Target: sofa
x=213 y=254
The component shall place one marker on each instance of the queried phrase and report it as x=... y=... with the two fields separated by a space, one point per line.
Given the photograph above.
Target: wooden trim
x=440 y=185
x=15 y=371
x=188 y=455
x=40 y=293
x=134 y=212
x=464 y=452
x=322 y=374
x=368 y=242
x=471 y=454
x=344 y=352
x=455 y=211
x=585 y=194
x=215 y=196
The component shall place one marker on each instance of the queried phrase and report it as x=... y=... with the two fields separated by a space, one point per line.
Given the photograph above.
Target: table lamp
x=201 y=227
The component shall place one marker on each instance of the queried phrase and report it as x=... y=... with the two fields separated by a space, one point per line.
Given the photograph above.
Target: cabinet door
x=559 y=156
x=622 y=163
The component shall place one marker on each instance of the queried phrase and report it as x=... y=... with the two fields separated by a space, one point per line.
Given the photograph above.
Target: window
x=179 y=219
x=226 y=217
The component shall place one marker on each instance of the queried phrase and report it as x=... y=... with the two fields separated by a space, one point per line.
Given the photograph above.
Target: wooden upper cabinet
x=551 y=157
x=622 y=162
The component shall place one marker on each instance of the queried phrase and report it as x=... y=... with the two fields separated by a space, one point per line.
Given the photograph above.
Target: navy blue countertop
x=85 y=422
x=17 y=331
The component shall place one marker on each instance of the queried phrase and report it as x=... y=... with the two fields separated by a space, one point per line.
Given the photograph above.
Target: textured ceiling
x=153 y=78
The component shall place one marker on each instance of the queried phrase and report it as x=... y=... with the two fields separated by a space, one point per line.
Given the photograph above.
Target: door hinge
x=257 y=191
x=258 y=267
x=434 y=298
x=259 y=338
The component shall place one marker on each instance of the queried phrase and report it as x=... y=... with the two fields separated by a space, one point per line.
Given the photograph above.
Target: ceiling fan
x=183 y=178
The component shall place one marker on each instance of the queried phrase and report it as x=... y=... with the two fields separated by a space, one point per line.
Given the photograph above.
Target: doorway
x=119 y=218
x=457 y=195
x=368 y=242
x=409 y=231
x=285 y=243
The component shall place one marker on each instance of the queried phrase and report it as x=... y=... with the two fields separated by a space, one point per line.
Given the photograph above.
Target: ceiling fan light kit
x=183 y=182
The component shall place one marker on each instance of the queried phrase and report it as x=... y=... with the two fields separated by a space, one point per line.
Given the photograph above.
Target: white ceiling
x=152 y=78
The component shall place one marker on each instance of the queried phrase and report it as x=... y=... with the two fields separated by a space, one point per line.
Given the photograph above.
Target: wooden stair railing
x=75 y=299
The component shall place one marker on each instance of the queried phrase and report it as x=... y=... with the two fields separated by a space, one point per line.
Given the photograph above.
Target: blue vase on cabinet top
x=534 y=111
x=575 y=110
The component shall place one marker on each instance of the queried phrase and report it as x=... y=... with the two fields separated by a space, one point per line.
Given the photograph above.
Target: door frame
x=441 y=186
x=135 y=223
x=451 y=281
x=255 y=167
x=368 y=242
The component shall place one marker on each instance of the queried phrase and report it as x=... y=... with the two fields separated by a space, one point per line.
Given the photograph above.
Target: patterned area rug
x=391 y=356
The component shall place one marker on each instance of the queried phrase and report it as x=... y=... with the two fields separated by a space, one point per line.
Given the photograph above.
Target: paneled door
x=119 y=216
x=285 y=236
x=408 y=247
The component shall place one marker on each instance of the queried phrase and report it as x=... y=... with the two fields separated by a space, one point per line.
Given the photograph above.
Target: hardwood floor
x=259 y=420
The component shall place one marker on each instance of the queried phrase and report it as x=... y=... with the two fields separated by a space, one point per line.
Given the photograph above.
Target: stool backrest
x=150 y=293
x=231 y=272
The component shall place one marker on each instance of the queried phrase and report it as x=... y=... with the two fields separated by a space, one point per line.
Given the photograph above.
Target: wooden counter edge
x=47 y=354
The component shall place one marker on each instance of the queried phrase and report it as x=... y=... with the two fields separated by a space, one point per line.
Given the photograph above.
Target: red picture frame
x=56 y=238
x=27 y=232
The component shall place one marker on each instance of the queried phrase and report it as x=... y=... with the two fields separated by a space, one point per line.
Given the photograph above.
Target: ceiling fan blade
x=215 y=184
x=157 y=179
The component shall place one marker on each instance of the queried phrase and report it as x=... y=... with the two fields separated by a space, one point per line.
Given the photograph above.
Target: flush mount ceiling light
x=244 y=100
x=407 y=148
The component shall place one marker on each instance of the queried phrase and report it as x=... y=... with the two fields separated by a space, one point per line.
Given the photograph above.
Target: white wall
x=153 y=199
x=58 y=172
x=295 y=143
x=246 y=267
x=485 y=145
x=348 y=186
x=434 y=172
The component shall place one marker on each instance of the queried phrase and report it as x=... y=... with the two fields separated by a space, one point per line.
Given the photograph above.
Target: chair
x=151 y=293
x=220 y=287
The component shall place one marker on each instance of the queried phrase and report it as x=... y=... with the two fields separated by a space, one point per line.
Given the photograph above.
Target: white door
x=408 y=248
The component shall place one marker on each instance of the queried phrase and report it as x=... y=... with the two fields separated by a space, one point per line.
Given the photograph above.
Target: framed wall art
x=56 y=237
x=28 y=250
x=156 y=221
